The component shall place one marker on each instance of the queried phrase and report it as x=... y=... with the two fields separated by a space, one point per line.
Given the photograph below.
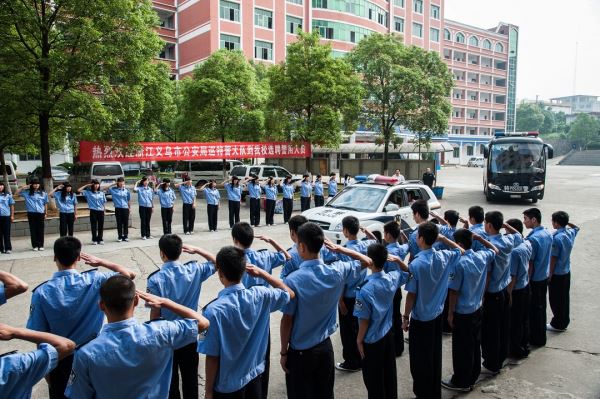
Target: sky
x=551 y=33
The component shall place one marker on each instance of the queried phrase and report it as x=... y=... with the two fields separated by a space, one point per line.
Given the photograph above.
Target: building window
x=456 y=152
x=166 y=19
x=487 y=44
x=361 y=8
x=435 y=12
x=473 y=41
x=417 y=29
x=398 y=24
x=230 y=11
x=447 y=35
x=418 y=6
x=399 y=3
x=168 y=52
x=499 y=48
x=460 y=38
x=469 y=151
x=294 y=24
x=230 y=42
x=263 y=50
x=295 y=1
x=263 y=18
x=435 y=34
x=340 y=31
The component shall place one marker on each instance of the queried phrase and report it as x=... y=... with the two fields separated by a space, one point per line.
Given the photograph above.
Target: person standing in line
x=318 y=188
x=347 y=180
x=146 y=205
x=254 y=193
x=7 y=217
x=332 y=186
x=96 y=200
x=66 y=202
x=213 y=198
x=166 y=197
x=399 y=176
x=188 y=197
x=305 y=192
x=270 y=189
x=234 y=199
x=429 y=178
x=420 y=210
x=475 y=224
x=36 y=204
x=288 y=198
x=122 y=201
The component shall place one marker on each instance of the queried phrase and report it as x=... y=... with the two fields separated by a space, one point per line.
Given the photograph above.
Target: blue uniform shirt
x=500 y=277
x=374 y=302
x=95 y=199
x=519 y=264
x=413 y=247
x=397 y=250
x=6 y=201
x=145 y=196
x=478 y=229
x=430 y=270
x=67 y=305
x=266 y=260
x=35 y=203
x=238 y=333
x=562 y=244
x=181 y=283
x=318 y=288
x=66 y=204
x=19 y=372
x=332 y=188
x=288 y=190
x=305 y=188
x=361 y=247
x=448 y=232
x=234 y=193
x=468 y=278
x=293 y=264
x=120 y=197
x=129 y=359
x=270 y=192
x=318 y=187
x=166 y=197
x=188 y=193
x=254 y=189
x=212 y=196
x=541 y=245
x=2 y=294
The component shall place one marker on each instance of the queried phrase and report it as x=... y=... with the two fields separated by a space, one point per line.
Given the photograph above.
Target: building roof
x=481 y=30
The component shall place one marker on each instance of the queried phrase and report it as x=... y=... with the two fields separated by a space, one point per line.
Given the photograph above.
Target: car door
x=405 y=215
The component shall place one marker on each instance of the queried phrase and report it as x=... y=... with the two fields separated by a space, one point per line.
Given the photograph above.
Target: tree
x=530 y=118
x=83 y=66
x=403 y=86
x=313 y=95
x=585 y=129
x=549 y=123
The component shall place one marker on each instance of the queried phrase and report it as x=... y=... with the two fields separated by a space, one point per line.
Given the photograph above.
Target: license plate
x=515 y=196
x=513 y=188
x=108 y=181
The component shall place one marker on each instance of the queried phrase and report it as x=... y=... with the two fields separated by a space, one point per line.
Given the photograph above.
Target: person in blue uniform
x=146 y=205
x=7 y=217
x=559 y=284
x=254 y=193
x=96 y=200
x=188 y=197
x=288 y=198
x=67 y=304
x=466 y=288
x=180 y=282
x=213 y=199
x=129 y=359
x=332 y=186
x=166 y=197
x=121 y=198
x=539 y=270
x=36 y=205
x=427 y=289
x=305 y=192
x=318 y=189
x=234 y=199
x=475 y=223
x=236 y=343
x=373 y=308
x=310 y=318
x=66 y=203
x=270 y=189
x=420 y=210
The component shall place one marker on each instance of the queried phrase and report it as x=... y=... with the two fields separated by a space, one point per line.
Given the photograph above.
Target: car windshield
x=239 y=171
x=517 y=158
x=58 y=171
x=107 y=170
x=358 y=198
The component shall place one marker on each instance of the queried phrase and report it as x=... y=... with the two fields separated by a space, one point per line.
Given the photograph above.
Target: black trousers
x=167 y=218
x=252 y=390
x=319 y=200
x=559 y=289
x=265 y=375
x=97 y=224
x=36 y=228
x=519 y=323
x=397 y=323
x=270 y=211
x=288 y=207
x=348 y=334
x=122 y=216
x=213 y=212
x=145 y=216
x=466 y=350
x=66 y=222
x=494 y=329
x=304 y=203
x=5 y=244
x=311 y=372
x=425 y=349
x=254 y=211
x=189 y=217
x=59 y=377
x=234 y=212
x=445 y=325
x=185 y=362
x=537 y=313
x=379 y=368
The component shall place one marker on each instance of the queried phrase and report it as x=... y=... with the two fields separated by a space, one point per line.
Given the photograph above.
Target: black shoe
x=345 y=367
x=448 y=384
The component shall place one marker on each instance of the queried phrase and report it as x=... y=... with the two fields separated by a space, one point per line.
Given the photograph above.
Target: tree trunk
x=44 y=121
x=386 y=149
x=307 y=164
x=4 y=174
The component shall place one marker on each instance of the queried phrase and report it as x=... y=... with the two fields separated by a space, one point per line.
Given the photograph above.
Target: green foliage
x=530 y=117
x=585 y=130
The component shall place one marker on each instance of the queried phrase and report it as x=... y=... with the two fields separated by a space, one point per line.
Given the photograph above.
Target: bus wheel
x=488 y=197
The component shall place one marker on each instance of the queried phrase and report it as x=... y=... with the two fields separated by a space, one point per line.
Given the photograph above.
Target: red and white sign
x=97 y=152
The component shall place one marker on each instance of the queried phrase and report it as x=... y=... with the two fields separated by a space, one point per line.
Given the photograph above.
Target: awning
x=369 y=148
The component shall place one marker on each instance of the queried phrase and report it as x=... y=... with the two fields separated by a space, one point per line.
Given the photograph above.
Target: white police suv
x=375 y=201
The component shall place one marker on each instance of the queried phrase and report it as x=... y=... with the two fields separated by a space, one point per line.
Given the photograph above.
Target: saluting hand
x=331 y=246
x=254 y=271
x=91 y=260
x=266 y=239
x=189 y=249
x=6 y=332
x=152 y=301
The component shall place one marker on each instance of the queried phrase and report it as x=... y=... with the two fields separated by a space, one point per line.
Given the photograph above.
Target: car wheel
x=534 y=200
x=488 y=197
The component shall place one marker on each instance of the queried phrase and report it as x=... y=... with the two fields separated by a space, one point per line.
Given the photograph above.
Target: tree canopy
x=585 y=130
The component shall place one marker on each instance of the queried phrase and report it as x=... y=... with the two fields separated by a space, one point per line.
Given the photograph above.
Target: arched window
x=499 y=48
x=473 y=41
x=487 y=44
x=447 y=35
x=460 y=38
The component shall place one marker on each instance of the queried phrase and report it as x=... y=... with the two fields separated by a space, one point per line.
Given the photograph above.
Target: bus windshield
x=517 y=158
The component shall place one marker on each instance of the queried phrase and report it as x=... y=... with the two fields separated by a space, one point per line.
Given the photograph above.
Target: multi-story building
x=482 y=61
x=579 y=104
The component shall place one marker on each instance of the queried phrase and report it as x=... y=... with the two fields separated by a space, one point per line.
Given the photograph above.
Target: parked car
x=263 y=172
x=106 y=173
x=202 y=171
x=136 y=168
x=476 y=162
x=60 y=175
x=11 y=175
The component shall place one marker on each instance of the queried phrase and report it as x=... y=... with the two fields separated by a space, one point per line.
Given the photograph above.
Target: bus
x=515 y=166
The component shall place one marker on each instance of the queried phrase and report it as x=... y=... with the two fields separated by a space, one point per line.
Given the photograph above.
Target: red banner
x=97 y=152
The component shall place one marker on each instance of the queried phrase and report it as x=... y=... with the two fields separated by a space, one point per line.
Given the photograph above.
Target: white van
x=202 y=171
x=11 y=175
x=106 y=173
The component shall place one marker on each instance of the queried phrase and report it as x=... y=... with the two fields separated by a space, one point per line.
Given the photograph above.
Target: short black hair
x=429 y=232
x=392 y=228
x=515 y=224
x=296 y=221
x=451 y=217
x=533 y=213
x=464 y=237
x=495 y=218
x=311 y=235
x=67 y=250
x=118 y=293
x=352 y=224
x=243 y=233
x=561 y=218
x=170 y=245
x=421 y=208
x=231 y=261
x=476 y=213
x=331 y=174
x=120 y=179
x=378 y=254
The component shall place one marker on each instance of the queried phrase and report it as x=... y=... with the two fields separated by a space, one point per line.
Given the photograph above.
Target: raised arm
x=464 y=221
x=400 y=262
x=368 y=233
x=364 y=260
x=80 y=189
x=485 y=243
x=13 y=285
x=59 y=187
x=21 y=189
x=572 y=225
x=511 y=230
x=275 y=245
x=136 y=185
x=156 y=302
x=95 y=262
x=438 y=218
x=63 y=346
x=273 y=281
x=450 y=243
x=189 y=249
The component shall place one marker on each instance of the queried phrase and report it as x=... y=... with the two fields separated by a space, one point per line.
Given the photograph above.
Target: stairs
x=587 y=158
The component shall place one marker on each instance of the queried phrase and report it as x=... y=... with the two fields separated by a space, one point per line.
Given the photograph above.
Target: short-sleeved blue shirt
x=293 y=264
x=19 y=372
x=448 y=232
x=35 y=203
x=318 y=187
x=66 y=204
x=166 y=197
x=469 y=277
x=270 y=192
x=359 y=246
x=562 y=244
x=6 y=201
x=519 y=264
x=500 y=277
x=234 y=193
x=305 y=188
x=413 y=247
x=332 y=188
x=188 y=193
x=254 y=189
x=95 y=199
x=120 y=197
x=288 y=190
x=145 y=196
x=212 y=196
x=266 y=260
x=2 y=294
x=541 y=245
x=397 y=250
x=478 y=229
